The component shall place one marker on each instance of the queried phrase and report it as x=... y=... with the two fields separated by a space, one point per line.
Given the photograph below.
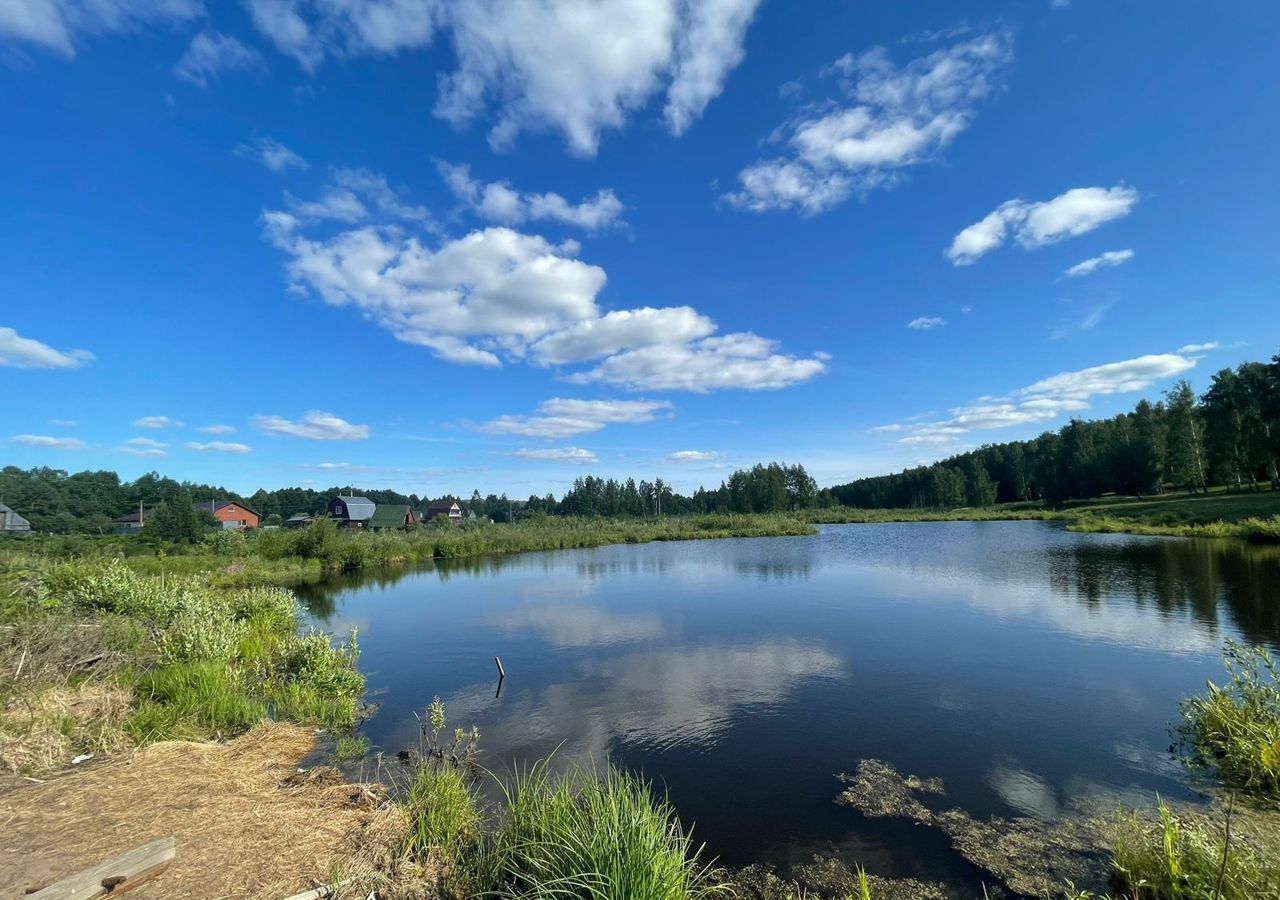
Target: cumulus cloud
x=218 y=447
x=498 y=295
x=881 y=120
x=1066 y=392
x=559 y=454
x=693 y=456
x=212 y=53
x=18 y=352
x=157 y=422
x=560 y=418
x=58 y=24
x=1108 y=260
x=52 y=443
x=1076 y=212
x=575 y=67
x=141 y=446
x=499 y=202
x=315 y=426
x=216 y=429
x=272 y=154
x=924 y=323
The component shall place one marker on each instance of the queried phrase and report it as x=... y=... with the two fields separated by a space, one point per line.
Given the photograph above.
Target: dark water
x=1027 y=666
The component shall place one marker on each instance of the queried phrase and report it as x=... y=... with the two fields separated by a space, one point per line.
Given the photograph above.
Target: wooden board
x=115 y=876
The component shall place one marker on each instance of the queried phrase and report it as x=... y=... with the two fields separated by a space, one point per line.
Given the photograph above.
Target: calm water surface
x=1027 y=666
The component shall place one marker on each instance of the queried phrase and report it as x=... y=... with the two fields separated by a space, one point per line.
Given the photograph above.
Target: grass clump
x=1188 y=857
x=193 y=700
x=595 y=835
x=1234 y=730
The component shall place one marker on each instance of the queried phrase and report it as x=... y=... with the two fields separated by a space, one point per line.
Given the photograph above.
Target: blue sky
x=444 y=244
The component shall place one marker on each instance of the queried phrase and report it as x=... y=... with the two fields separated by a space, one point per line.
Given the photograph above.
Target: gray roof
x=11 y=521
x=358 y=508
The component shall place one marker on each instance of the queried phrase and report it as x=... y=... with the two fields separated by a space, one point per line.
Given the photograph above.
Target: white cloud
x=693 y=456
x=65 y=423
x=333 y=465
x=157 y=422
x=499 y=202
x=1073 y=213
x=498 y=295
x=1066 y=392
x=374 y=188
x=1107 y=260
x=272 y=154
x=572 y=66
x=18 y=352
x=334 y=203
x=218 y=447
x=884 y=119
x=315 y=426
x=211 y=53
x=559 y=454
x=53 y=443
x=560 y=418
x=1200 y=348
x=924 y=323
x=57 y=24
x=216 y=429
x=742 y=360
x=141 y=446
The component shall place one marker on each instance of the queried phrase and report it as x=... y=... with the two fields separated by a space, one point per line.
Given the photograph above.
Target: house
x=299 y=520
x=444 y=508
x=391 y=515
x=12 y=523
x=133 y=521
x=351 y=512
x=230 y=513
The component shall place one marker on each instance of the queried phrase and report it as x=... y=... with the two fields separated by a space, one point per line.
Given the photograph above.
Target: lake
x=1029 y=667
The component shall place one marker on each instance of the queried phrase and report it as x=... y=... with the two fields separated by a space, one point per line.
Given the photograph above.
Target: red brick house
x=231 y=514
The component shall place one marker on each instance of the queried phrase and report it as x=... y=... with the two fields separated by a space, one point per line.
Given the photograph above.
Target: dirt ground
x=247 y=823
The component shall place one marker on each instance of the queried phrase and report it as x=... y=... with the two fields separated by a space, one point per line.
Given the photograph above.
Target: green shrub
x=1234 y=730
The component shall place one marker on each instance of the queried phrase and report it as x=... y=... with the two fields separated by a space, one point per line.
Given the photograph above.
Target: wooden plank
x=115 y=876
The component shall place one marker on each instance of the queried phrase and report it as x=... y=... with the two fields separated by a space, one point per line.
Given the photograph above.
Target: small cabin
x=388 y=516
x=299 y=520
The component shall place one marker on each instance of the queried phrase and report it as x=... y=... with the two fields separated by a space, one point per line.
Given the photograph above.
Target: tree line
x=1229 y=435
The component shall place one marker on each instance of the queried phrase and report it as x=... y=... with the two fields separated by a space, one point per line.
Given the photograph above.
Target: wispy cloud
x=272 y=154
x=693 y=456
x=218 y=447
x=18 y=352
x=1088 y=319
x=560 y=418
x=558 y=454
x=1075 y=212
x=1107 y=260
x=216 y=429
x=52 y=443
x=1049 y=398
x=1200 y=348
x=315 y=426
x=64 y=423
x=211 y=54
x=924 y=323
x=157 y=422
x=141 y=446
x=883 y=120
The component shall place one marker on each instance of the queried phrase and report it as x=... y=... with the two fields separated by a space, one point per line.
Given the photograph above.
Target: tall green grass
x=1234 y=730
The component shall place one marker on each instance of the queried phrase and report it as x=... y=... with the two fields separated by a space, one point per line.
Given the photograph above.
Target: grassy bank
x=96 y=657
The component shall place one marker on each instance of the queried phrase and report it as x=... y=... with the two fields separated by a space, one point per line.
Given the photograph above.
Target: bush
x=1235 y=730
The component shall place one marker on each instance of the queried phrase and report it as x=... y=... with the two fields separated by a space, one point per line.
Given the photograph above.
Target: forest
x=1228 y=436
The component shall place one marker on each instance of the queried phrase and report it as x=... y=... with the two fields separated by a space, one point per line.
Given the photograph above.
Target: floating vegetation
x=1029 y=856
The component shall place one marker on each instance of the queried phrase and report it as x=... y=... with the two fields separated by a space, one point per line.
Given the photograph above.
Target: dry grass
x=246 y=824
x=43 y=732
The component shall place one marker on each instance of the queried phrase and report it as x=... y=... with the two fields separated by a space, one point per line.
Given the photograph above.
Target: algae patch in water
x=826 y=877
x=1030 y=856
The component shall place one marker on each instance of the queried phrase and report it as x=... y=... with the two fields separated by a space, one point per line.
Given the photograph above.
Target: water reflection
x=1032 y=668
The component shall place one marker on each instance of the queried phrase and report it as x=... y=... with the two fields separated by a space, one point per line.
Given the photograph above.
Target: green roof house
x=391 y=515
